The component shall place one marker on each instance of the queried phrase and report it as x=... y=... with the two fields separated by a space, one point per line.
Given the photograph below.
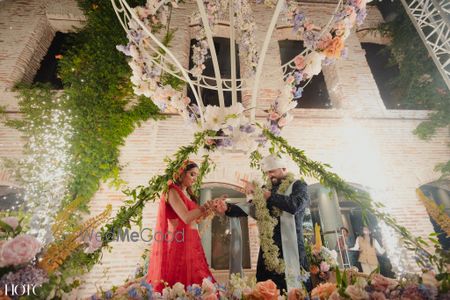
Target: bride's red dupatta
x=175 y=266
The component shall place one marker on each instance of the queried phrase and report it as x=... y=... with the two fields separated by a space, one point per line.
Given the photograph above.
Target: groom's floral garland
x=267 y=223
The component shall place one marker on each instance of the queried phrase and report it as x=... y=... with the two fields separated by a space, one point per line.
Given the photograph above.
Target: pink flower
x=299 y=62
x=382 y=284
x=324 y=266
x=335 y=296
x=290 y=79
x=208 y=287
x=377 y=296
x=186 y=100
x=210 y=297
x=356 y=293
x=266 y=290
x=274 y=116
x=11 y=221
x=282 y=122
x=22 y=249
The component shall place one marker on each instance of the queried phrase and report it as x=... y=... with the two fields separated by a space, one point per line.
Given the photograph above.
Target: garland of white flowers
x=267 y=223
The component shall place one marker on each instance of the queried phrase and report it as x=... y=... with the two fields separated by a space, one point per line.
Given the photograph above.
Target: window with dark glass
x=315 y=94
x=48 y=70
x=384 y=72
x=222 y=47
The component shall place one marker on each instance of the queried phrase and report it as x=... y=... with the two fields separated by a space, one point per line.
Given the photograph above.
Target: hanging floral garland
x=228 y=127
x=324 y=46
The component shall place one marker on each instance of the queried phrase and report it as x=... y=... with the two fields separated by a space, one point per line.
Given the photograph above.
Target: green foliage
x=96 y=77
x=419 y=85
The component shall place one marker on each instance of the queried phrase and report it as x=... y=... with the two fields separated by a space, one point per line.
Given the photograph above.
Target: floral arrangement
x=18 y=251
x=322 y=262
x=323 y=45
x=25 y=260
x=377 y=286
x=347 y=286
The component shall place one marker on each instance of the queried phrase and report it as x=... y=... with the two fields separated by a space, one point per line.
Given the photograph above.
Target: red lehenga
x=173 y=258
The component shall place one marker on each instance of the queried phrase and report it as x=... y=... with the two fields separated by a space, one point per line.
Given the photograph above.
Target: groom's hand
x=220 y=207
x=267 y=194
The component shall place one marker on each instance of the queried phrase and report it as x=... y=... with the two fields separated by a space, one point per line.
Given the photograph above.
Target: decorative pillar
x=330 y=215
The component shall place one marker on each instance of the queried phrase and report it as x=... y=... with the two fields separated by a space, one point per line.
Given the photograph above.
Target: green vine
x=439 y=259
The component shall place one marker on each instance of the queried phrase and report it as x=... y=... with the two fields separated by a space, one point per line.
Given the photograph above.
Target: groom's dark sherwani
x=295 y=204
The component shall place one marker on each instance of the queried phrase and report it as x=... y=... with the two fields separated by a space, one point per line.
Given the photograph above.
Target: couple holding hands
x=185 y=261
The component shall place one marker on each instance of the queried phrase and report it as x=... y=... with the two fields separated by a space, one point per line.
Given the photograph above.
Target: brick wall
x=365 y=143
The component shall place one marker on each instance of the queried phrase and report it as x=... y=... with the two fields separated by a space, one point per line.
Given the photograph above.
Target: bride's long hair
x=177 y=179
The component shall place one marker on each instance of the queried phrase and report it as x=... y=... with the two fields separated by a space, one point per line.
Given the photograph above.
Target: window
x=315 y=94
x=383 y=72
x=211 y=97
x=48 y=70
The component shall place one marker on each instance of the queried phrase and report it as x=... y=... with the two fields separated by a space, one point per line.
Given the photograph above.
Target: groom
x=288 y=232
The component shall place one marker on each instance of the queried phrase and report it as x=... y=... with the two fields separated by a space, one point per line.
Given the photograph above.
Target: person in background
x=368 y=248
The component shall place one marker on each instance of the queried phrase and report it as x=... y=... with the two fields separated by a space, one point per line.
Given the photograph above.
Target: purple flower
x=310 y=40
x=344 y=53
x=327 y=61
x=27 y=275
x=247 y=128
x=298 y=77
x=275 y=129
x=298 y=21
x=360 y=16
x=108 y=294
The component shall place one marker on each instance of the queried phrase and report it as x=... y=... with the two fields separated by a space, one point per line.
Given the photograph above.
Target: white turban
x=272 y=162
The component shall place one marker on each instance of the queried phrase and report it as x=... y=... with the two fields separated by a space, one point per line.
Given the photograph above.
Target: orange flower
x=314 y=269
x=323 y=291
x=266 y=290
x=334 y=48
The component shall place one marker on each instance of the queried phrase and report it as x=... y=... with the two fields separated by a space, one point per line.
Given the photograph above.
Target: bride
x=179 y=255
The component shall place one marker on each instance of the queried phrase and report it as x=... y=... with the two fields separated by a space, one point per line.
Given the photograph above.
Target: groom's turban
x=272 y=162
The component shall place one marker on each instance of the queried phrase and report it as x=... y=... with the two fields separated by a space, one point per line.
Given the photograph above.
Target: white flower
x=313 y=62
x=177 y=290
x=214 y=117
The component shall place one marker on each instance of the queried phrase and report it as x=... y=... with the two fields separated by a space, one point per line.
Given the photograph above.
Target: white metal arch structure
x=432 y=21
x=167 y=59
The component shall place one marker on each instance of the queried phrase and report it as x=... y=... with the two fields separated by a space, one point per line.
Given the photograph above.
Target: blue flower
x=108 y=294
x=298 y=93
x=133 y=293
